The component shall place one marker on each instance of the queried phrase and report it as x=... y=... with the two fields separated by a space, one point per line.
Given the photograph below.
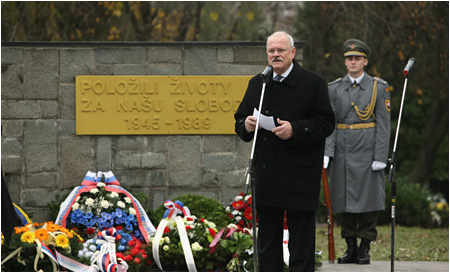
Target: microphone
x=408 y=66
x=267 y=73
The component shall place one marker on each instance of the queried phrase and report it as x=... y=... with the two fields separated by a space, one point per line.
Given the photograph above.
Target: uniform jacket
x=354 y=187
x=287 y=172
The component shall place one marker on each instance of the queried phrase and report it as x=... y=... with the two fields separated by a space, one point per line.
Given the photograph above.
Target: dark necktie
x=278 y=78
x=354 y=83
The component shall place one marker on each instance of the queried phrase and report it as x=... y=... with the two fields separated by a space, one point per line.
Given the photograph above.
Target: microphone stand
x=249 y=173
x=392 y=171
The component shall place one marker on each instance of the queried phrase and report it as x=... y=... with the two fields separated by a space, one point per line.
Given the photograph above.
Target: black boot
x=351 y=253
x=363 y=252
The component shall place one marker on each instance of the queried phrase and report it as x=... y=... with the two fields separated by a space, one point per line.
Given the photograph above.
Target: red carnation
x=128 y=258
x=90 y=231
x=166 y=229
x=212 y=232
x=237 y=205
x=134 y=252
x=131 y=243
x=249 y=200
x=188 y=227
x=137 y=261
x=119 y=228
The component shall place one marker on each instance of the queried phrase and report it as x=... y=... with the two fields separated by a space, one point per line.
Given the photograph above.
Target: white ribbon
x=184 y=243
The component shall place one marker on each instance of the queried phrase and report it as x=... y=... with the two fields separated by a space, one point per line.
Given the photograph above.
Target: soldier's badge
x=387 y=103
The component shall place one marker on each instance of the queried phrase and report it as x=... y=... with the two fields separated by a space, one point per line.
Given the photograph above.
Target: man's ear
x=366 y=61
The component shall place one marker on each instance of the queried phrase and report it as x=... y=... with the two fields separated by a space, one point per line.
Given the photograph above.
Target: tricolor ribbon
x=175 y=208
x=90 y=182
x=216 y=239
x=105 y=259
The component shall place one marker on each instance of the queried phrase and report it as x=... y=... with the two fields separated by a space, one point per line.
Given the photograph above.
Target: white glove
x=378 y=165
x=326 y=160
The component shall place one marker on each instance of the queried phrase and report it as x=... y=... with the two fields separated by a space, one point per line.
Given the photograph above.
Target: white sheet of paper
x=264 y=121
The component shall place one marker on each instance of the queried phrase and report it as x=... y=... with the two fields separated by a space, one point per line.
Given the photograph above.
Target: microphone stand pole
x=391 y=178
x=248 y=174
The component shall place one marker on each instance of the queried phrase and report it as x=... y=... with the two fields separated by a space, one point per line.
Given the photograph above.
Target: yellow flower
x=250 y=16
x=62 y=241
x=28 y=237
x=41 y=234
x=214 y=16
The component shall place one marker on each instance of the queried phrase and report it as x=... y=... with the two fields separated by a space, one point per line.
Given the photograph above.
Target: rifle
x=326 y=194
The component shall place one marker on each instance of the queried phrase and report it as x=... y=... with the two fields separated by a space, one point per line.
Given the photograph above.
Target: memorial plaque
x=157 y=105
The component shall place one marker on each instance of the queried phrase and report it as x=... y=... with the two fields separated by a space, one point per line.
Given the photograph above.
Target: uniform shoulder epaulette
x=380 y=80
x=335 y=81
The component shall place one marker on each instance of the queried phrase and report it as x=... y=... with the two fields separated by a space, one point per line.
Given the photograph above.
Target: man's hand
x=250 y=124
x=284 y=131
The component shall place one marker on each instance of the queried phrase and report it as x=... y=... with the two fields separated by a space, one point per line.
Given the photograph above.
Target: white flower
x=75 y=206
x=104 y=204
x=196 y=247
x=228 y=209
x=78 y=199
x=235 y=212
x=89 y=202
x=166 y=248
x=247 y=197
x=238 y=218
x=121 y=204
x=211 y=225
x=80 y=253
x=92 y=248
x=89 y=254
x=167 y=240
x=94 y=191
x=101 y=184
x=113 y=194
x=132 y=211
x=237 y=198
x=85 y=250
x=128 y=200
x=230 y=226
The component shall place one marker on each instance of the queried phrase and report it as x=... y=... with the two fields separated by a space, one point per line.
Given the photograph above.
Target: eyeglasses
x=281 y=51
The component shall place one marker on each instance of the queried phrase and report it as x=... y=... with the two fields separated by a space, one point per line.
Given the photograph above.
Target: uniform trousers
x=302 y=239
x=359 y=225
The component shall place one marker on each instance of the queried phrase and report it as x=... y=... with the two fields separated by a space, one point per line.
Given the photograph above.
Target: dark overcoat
x=288 y=172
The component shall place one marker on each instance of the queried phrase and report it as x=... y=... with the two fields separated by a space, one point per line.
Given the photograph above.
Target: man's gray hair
x=289 y=37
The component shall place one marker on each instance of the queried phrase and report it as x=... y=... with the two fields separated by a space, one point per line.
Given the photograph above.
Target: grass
x=411 y=244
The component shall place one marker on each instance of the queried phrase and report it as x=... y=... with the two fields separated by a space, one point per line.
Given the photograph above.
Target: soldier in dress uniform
x=357 y=151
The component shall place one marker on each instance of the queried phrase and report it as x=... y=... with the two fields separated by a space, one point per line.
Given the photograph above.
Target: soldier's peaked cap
x=354 y=47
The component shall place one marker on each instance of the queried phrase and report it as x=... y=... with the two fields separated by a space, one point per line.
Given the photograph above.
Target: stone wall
x=43 y=157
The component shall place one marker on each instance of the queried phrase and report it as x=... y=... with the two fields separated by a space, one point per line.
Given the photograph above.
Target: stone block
x=157 y=199
x=127 y=160
x=49 y=109
x=225 y=55
x=165 y=69
x=41 y=73
x=164 y=55
x=157 y=178
x=200 y=61
x=12 y=82
x=129 y=179
x=74 y=62
x=68 y=127
x=157 y=144
x=39 y=215
x=243 y=152
x=14 y=185
x=40 y=142
x=104 y=69
x=183 y=157
x=132 y=143
x=12 y=128
x=12 y=164
x=250 y=54
x=41 y=180
x=174 y=194
x=130 y=69
x=121 y=55
x=210 y=178
x=232 y=178
x=104 y=153
x=240 y=70
x=151 y=160
x=228 y=194
x=67 y=101
x=39 y=197
x=20 y=110
x=11 y=146
x=12 y=55
x=218 y=161
x=218 y=143
x=77 y=158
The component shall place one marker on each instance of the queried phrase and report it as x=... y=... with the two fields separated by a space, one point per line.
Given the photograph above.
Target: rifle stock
x=326 y=194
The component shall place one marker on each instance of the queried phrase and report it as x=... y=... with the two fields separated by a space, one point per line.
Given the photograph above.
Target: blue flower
x=129 y=227
x=137 y=233
x=89 y=215
x=131 y=217
x=121 y=248
x=104 y=214
x=119 y=213
x=78 y=213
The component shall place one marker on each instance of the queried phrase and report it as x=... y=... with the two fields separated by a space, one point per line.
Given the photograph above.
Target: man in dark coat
x=287 y=160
